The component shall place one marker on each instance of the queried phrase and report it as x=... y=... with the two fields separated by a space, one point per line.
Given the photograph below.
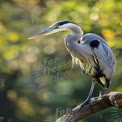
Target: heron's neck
x=77 y=31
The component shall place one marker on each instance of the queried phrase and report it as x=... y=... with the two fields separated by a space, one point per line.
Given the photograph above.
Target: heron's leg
x=91 y=91
x=90 y=94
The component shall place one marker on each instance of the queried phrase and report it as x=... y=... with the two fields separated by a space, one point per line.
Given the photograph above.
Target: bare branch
x=113 y=99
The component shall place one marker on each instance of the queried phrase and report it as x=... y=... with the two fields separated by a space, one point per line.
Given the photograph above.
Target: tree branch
x=113 y=99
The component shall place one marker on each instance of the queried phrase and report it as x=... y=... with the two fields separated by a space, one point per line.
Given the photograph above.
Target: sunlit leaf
x=13 y=36
x=109 y=34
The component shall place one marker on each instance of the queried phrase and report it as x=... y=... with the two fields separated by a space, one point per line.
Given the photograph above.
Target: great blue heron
x=90 y=51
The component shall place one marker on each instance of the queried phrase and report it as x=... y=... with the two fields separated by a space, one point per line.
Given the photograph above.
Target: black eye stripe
x=64 y=22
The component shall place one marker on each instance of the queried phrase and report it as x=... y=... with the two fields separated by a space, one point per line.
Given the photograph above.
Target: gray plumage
x=96 y=62
x=90 y=51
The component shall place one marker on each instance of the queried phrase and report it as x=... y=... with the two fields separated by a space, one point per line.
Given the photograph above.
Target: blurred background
x=37 y=81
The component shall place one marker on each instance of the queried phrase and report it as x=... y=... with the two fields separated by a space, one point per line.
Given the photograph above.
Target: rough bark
x=113 y=99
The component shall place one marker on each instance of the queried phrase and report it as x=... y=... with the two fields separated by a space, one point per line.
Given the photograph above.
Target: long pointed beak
x=43 y=33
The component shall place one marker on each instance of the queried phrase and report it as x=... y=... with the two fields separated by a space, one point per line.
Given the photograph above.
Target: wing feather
x=105 y=58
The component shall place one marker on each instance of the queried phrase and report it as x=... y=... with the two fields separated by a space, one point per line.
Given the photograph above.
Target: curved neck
x=74 y=28
x=77 y=31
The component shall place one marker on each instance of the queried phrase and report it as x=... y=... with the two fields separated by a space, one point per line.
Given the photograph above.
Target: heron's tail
x=104 y=82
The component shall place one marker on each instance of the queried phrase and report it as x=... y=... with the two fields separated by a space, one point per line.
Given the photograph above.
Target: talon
x=84 y=103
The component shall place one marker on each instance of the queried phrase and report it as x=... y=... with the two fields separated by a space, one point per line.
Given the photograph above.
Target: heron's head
x=56 y=27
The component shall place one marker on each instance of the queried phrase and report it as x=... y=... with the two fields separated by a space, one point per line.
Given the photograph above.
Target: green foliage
x=39 y=75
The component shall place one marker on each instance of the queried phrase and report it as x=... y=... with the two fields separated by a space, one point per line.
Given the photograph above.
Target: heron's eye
x=78 y=41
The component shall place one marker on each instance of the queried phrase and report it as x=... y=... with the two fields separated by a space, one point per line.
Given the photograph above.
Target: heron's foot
x=87 y=101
